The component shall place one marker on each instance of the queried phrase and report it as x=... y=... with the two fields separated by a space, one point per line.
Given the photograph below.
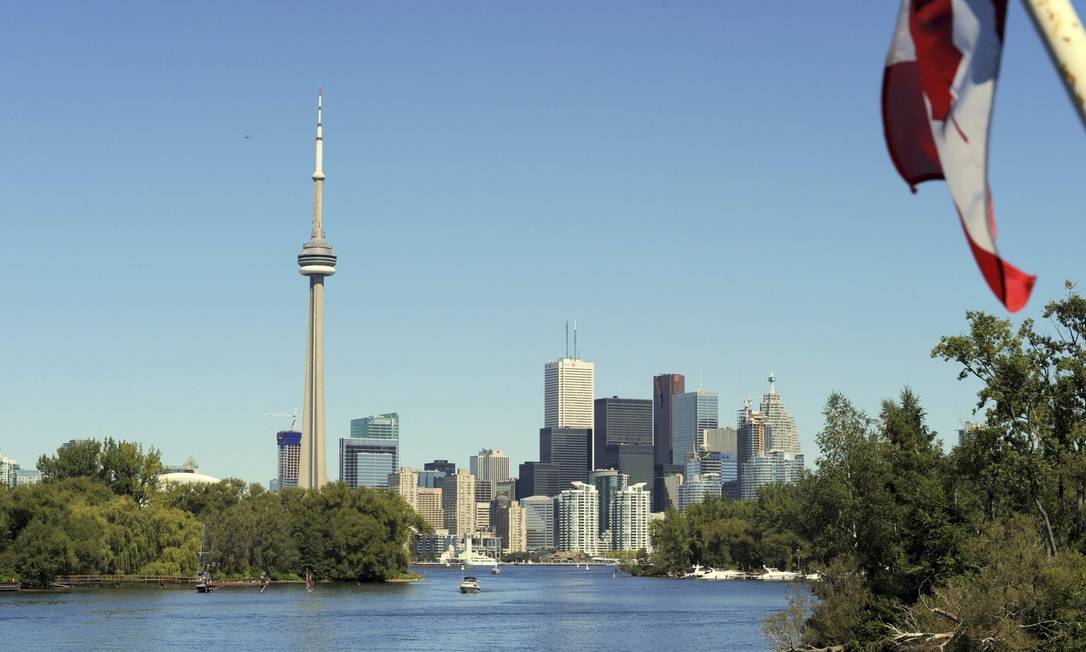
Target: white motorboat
x=726 y=574
x=696 y=572
x=495 y=570
x=774 y=575
x=470 y=585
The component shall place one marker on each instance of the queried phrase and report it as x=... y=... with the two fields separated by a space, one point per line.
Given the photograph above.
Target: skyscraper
x=406 y=483
x=490 y=465
x=634 y=461
x=316 y=262
x=372 y=452
x=625 y=421
x=429 y=506
x=664 y=387
x=784 y=435
x=458 y=501
x=570 y=449
x=768 y=444
x=445 y=466
x=289 y=446
x=630 y=518
x=608 y=482
x=537 y=479
x=578 y=519
x=691 y=413
x=507 y=521
x=569 y=386
x=539 y=521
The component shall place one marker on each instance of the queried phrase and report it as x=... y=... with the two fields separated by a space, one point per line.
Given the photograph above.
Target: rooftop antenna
x=567 y=338
x=701 y=378
x=576 y=353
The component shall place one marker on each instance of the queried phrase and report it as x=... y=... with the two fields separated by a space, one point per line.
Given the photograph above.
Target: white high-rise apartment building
x=429 y=507
x=490 y=465
x=630 y=518
x=458 y=501
x=518 y=529
x=768 y=468
x=406 y=483
x=569 y=388
x=8 y=467
x=691 y=413
x=578 y=519
x=783 y=435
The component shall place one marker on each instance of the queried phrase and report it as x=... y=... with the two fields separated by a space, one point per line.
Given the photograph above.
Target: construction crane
x=293 y=416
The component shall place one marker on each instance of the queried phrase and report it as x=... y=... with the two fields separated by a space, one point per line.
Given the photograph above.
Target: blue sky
x=703 y=186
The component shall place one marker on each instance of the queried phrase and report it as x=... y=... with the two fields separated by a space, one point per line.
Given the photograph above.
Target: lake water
x=524 y=608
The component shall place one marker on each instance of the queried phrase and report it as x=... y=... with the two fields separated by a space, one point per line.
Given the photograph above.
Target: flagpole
x=1062 y=32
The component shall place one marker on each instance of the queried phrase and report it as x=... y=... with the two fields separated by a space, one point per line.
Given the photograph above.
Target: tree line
x=100 y=511
x=978 y=548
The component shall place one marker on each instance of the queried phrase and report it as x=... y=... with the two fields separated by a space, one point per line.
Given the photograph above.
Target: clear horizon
x=703 y=187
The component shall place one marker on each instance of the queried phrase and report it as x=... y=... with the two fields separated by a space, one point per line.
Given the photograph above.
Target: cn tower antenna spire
x=318 y=175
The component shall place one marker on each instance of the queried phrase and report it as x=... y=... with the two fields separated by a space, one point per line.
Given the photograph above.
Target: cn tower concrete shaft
x=317 y=261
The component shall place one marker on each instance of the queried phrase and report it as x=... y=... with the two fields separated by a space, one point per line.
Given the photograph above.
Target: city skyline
x=443 y=151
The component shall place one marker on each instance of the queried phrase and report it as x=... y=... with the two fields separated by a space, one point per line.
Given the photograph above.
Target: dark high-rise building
x=665 y=494
x=664 y=387
x=449 y=468
x=608 y=483
x=484 y=491
x=537 y=479
x=634 y=461
x=570 y=449
x=621 y=421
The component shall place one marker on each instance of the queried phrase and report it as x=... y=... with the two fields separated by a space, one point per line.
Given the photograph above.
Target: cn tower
x=316 y=262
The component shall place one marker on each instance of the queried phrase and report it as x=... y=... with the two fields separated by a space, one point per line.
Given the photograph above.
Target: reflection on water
x=524 y=608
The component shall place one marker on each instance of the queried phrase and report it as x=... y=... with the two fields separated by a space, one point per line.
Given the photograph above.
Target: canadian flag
x=937 y=95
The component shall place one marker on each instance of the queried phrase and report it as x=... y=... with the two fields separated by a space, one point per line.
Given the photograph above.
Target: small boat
x=205 y=587
x=774 y=575
x=470 y=585
x=494 y=570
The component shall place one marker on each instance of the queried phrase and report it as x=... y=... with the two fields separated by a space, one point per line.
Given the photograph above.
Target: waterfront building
x=664 y=386
x=430 y=547
x=578 y=519
x=539 y=519
x=608 y=482
x=482 y=515
x=8 y=466
x=691 y=413
x=630 y=518
x=621 y=421
x=458 y=501
x=288 y=444
x=770 y=467
x=25 y=477
x=569 y=385
x=634 y=461
x=490 y=465
x=445 y=466
x=507 y=521
x=570 y=449
x=428 y=505
x=372 y=452
x=316 y=262
x=537 y=479
x=406 y=483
